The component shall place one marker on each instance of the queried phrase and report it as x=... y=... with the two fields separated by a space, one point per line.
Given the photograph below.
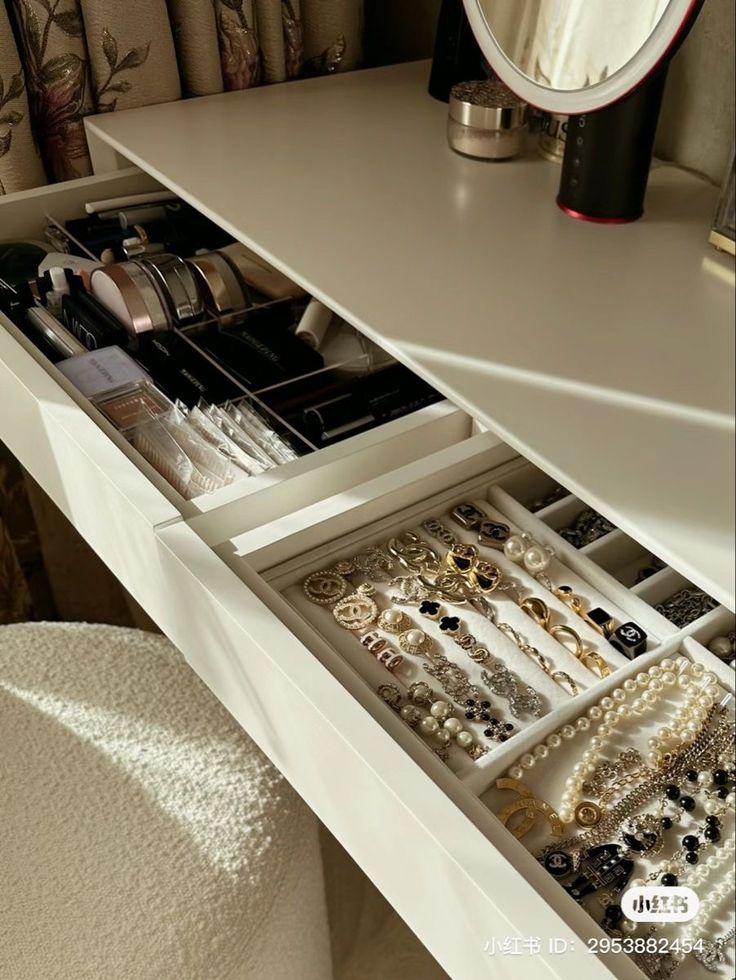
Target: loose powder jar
x=487 y=121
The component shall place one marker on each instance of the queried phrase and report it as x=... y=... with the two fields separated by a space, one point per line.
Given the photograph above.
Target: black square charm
x=601 y=621
x=629 y=639
x=601 y=867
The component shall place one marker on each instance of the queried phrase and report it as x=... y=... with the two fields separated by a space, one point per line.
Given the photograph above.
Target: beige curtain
x=57 y=78
x=85 y=56
x=332 y=33
x=194 y=25
x=131 y=52
x=20 y=161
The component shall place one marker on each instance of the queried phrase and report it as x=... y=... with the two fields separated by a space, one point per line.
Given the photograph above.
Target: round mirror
x=575 y=56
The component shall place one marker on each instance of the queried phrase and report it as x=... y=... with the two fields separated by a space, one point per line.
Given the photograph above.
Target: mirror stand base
x=608 y=155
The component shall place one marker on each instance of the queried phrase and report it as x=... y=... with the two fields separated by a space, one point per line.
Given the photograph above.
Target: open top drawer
x=53 y=401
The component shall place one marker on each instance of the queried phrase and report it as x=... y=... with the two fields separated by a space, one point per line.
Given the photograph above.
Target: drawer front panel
x=111 y=503
x=23 y=215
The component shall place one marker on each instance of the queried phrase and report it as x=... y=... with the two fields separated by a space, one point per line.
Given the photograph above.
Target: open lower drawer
x=78 y=452
x=426 y=828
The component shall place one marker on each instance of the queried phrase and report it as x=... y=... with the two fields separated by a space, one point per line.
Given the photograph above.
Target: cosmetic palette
x=132 y=404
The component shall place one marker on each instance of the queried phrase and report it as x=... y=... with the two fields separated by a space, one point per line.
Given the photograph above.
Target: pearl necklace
x=665 y=964
x=718 y=892
x=611 y=710
x=716 y=737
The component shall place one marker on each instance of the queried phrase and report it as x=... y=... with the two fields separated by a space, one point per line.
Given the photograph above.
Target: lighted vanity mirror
x=603 y=63
x=576 y=55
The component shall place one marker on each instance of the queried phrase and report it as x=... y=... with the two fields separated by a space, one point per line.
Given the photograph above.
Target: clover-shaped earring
x=496 y=730
x=430 y=609
x=450 y=624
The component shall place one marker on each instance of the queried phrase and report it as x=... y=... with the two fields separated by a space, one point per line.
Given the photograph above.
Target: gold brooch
x=532 y=808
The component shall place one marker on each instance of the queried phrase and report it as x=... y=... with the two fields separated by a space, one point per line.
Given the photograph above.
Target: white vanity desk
x=604 y=355
x=577 y=343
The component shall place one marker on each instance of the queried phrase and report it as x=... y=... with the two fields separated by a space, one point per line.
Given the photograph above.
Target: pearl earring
x=537 y=558
x=515 y=548
x=524 y=550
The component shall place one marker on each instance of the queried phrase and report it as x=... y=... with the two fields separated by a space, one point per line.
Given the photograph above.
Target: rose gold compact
x=223 y=292
x=128 y=291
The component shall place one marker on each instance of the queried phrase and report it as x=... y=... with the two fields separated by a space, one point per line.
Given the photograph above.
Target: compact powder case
x=62 y=340
x=223 y=291
x=486 y=121
x=259 y=274
x=178 y=285
x=129 y=292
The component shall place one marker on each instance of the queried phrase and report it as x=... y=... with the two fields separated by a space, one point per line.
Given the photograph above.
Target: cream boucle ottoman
x=143 y=836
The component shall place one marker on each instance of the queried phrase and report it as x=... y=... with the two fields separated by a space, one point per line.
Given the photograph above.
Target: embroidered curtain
x=61 y=60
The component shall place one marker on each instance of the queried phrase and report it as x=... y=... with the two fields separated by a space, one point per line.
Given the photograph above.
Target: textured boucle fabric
x=144 y=835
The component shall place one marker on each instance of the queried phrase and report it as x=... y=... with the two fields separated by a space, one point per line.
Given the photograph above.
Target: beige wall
x=697 y=123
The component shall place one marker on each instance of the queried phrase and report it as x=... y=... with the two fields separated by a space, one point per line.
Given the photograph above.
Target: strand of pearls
x=691 y=875
x=690 y=715
x=695 y=876
x=643 y=691
x=718 y=893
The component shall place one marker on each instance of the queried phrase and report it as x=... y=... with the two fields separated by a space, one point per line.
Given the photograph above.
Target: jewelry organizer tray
x=505 y=492
x=617 y=556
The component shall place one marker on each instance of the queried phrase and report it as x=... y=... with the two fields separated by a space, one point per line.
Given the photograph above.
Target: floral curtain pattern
x=20 y=161
x=56 y=74
x=61 y=60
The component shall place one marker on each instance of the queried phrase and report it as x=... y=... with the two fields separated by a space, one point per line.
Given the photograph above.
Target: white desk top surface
x=603 y=353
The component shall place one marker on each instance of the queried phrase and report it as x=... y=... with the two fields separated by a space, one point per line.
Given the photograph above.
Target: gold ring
x=566 y=595
x=562 y=678
x=598 y=662
x=538 y=610
x=568 y=631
